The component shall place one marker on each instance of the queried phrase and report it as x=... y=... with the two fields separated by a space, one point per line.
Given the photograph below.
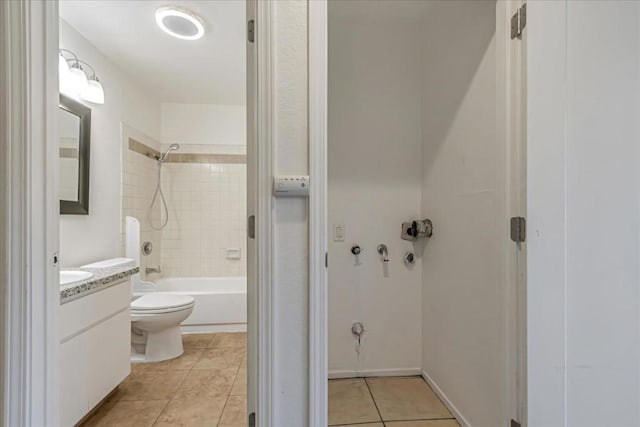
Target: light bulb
x=77 y=79
x=63 y=67
x=93 y=92
x=63 y=76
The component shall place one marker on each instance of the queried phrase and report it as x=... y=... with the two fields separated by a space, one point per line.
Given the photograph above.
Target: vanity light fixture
x=75 y=82
x=180 y=22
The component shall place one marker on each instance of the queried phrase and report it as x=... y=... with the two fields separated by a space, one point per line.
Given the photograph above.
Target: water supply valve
x=416 y=229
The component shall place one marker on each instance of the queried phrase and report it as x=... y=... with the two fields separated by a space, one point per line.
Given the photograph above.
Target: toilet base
x=158 y=346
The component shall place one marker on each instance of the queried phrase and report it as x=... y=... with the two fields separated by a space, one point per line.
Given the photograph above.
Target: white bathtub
x=220 y=302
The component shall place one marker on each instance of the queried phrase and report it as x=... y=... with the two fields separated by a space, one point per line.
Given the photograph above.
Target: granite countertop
x=103 y=278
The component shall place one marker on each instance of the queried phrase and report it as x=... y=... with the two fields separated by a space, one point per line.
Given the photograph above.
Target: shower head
x=172 y=147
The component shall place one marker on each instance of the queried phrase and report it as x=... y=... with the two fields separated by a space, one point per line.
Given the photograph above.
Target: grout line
x=174 y=393
x=374 y=400
x=235 y=377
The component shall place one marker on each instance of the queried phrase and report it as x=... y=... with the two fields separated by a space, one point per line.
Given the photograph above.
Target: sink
x=68 y=277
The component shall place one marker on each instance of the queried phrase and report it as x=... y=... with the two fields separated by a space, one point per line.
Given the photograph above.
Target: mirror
x=74 y=129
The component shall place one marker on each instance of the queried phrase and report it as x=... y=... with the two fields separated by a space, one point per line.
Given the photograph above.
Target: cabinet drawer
x=77 y=316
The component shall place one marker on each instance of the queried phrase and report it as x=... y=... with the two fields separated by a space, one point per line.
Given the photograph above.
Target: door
x=516 y=141
x=252 y=205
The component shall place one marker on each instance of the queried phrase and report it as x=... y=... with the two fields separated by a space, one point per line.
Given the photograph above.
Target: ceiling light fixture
x=180 y=22
x=75 y=82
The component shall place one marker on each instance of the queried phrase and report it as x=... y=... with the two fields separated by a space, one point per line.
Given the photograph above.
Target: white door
x=252 y=202
x=516 y=140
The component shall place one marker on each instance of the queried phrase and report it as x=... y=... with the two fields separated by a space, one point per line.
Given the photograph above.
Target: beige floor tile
x=406 y=398
x=182 y=363
x=229 y=340
x=360 y=425
x=150 y=385
x=126 y=414
x=196 y=340
x=206 y=383
x=220 y=358
x=235 y=412
x=424 y=423
x=350 y=402
x=191 y=413
x=240 y=384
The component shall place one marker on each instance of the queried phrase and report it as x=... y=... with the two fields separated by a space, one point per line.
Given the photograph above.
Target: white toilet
x=155 y=316
x=155 y=326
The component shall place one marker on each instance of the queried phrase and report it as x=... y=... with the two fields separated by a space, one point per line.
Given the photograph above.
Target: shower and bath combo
x=163 y=220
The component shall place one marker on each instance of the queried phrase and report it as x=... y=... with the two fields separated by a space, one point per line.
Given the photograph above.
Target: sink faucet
x=150 y=270
x=382 y=250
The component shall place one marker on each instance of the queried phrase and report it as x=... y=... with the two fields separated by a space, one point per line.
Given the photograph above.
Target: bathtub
x=220 y=302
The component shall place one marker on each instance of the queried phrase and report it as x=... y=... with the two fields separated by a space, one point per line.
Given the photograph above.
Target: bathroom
x=153 y=206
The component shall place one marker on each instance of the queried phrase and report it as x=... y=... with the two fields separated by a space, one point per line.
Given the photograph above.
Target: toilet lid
x=159 y=300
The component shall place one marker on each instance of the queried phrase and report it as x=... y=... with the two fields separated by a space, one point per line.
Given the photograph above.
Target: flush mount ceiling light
x=180 y=23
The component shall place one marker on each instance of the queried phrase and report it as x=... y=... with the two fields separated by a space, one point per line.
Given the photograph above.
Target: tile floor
x=206 y=386
x=386 y=402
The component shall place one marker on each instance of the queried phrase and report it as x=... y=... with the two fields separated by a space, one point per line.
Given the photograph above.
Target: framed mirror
x=74 y=129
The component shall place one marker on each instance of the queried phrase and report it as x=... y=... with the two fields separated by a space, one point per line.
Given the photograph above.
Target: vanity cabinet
x=95 y=349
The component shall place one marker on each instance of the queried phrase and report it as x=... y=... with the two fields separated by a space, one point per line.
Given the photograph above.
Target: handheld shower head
x=172 y=147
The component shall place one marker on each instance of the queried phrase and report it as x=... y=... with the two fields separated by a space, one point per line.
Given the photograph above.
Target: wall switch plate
x=338 y=232
x=233 y=253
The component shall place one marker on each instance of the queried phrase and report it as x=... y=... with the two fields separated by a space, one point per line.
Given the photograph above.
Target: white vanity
x=95 y=336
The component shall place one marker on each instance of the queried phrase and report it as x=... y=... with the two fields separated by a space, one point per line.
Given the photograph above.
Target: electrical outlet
x=338 y=232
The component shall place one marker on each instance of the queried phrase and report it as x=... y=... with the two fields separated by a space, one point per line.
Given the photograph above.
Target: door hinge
x=518 y=229
x=518 y=22
x=252 y=419
x=251 y=35
x=251 y=226
x=326 y=259
x=515 y=423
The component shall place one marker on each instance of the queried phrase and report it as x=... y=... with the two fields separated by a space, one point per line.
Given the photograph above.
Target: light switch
x=233 y=253
x=338 y=232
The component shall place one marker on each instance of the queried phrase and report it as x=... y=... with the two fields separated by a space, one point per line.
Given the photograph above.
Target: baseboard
x=443 y=397
x=208 y=329
x=333 y=375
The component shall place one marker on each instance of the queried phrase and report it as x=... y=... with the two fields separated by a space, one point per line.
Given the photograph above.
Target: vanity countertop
x=103 y=278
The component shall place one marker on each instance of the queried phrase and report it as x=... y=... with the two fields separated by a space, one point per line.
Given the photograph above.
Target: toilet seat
x=159 y=302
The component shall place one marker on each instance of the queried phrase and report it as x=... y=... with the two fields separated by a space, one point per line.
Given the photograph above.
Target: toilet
x=155 y=326
x=155 y=316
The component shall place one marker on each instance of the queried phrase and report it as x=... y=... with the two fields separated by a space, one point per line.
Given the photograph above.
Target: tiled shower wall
x=138 y=185
x=205 y=186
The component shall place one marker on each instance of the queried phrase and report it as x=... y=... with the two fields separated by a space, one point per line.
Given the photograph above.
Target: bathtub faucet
x=150 y=270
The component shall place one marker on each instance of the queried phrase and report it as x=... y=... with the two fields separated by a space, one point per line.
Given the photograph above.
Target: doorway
x=425 y=128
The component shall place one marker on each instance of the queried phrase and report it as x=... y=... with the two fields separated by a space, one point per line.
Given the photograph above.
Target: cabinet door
x=74 y=402
x=109 y=355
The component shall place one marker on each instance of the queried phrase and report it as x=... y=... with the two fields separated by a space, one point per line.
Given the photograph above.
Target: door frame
x=29 y=212
x=514 y=131
x=260 y=158
x=318 y=229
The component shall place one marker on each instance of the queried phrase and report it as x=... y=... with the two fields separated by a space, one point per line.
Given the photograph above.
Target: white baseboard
x=208 y=329
x=443 y=397
x=334 y=374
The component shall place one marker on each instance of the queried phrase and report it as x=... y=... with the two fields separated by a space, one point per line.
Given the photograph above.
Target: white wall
x=374 y=185
x=204 y=124
x=290 y=269
x=584 y=210
x=86 y=238
x=464 y=194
